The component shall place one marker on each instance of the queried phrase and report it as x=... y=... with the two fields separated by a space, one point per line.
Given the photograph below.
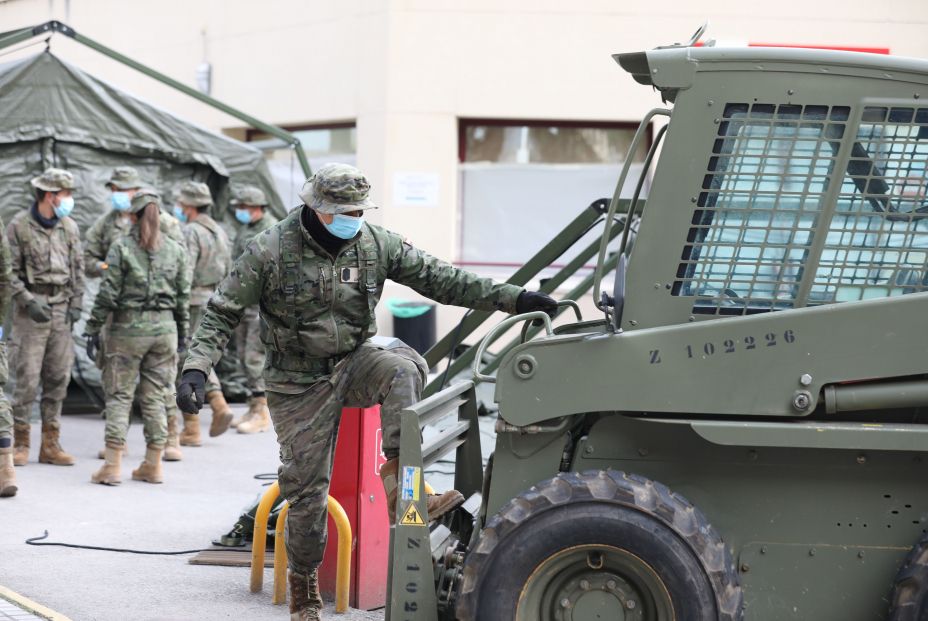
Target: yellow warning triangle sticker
x=412 y=517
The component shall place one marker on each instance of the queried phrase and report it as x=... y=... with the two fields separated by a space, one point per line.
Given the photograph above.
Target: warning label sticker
x=410 y=483
x=411 y=517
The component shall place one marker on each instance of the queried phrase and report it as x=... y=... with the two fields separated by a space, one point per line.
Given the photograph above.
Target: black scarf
x=330 y=243
x=44 y=222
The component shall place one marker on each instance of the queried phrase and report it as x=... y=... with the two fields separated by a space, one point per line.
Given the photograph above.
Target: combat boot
x=101 y=454
x=222 y=414
x=190 y=436
x=305 y=601
x=436 y=504
x=150 y=469
x=7 y=474
x=50 y=452
x=110 y=473
x=260 y=419
x=20 y=445
x=172 y=446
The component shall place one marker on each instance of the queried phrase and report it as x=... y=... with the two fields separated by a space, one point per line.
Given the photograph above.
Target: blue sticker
x=410 y=483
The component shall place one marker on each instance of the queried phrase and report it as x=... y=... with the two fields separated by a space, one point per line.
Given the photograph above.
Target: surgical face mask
x=65 y=206
x=345 y=227
x=179 y=213
x=243 y=216
x=120 y=201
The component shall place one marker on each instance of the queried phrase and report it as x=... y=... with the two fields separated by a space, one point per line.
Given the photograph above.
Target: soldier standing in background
x=209 y=260
x=48 y=287
x=7 y=474
x=115 y=222
x=251 y=210
x=318 y=275
x=145 y=293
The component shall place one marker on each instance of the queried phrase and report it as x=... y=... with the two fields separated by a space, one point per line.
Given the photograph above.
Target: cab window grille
x=760 y=203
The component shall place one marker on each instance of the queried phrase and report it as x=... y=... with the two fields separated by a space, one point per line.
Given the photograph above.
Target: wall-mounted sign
x=415 y=189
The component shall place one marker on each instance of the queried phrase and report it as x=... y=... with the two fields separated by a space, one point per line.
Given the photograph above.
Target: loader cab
x=787 y=178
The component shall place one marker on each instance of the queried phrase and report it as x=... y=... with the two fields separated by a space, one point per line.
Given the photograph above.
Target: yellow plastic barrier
x=343 y=568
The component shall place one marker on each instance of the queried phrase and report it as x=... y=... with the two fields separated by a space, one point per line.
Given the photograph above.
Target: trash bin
x=413 y=323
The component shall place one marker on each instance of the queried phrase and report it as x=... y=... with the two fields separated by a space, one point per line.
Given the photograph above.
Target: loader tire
x=599 y=545
x=909 y=600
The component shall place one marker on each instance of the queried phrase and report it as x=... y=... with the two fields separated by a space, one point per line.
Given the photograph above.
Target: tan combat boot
x=50 y=452
x=222 y=414
x=172 y=446
x=109 y=473
x=190 y=436
x=150 y=469
x=20 y=445
x=7 y=474
x=260 y=419
x=437 y=504
x=101 y=454
x=305 y=601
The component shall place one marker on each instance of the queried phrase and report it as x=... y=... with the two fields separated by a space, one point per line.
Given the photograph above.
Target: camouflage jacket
x=249 y=231
x=113 y=225
x=316 y=310
x=209 y=258
x=147 y=293
x=41 y=256
x=6 y=271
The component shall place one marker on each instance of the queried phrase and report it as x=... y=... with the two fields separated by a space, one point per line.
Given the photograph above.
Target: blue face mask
x=120 y=201
x=243 y=216
x=179 y=213
x=344 y=227
x=64 y=208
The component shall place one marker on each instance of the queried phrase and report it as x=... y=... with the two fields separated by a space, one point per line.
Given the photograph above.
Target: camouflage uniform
x=319 y=313
x=47 y=267
x=7 y=474
x=146 y=295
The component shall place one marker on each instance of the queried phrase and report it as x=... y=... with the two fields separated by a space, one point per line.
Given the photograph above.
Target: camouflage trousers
x=251 y=349
x=307 y=429
x=6 y=413
x=152 y=360
x=44 y=354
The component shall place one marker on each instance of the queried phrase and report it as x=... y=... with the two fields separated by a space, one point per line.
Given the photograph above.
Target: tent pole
x=56 y=26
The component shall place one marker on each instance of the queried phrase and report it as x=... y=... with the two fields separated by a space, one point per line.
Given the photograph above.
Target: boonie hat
x=143 y=198
x=54 y=180
x=194 y=193
x=337 y=188
x=248 y=195
x=124 y=178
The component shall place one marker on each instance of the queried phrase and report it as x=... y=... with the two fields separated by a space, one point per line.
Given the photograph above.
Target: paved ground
x=200 y=499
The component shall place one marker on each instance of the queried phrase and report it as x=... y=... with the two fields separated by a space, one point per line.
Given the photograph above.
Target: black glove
x=192 y=391
x=74 y=314
x=529 y=301
x=181 y=344
x=38 y=311
x=93 y=345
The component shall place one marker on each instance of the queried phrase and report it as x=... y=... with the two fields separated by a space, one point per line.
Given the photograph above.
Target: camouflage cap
x=337 y=188
x=248 y=195
x=194 y=193
x=124 y=178
x=143 y=198
x=54 y=180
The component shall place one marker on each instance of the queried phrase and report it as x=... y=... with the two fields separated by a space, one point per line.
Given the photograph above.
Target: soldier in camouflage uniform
x=115 y=222
x=7 y=474
x=209 y=259
x=145 y=294
x=317 y=277
x=251 y=210
x=48 y=287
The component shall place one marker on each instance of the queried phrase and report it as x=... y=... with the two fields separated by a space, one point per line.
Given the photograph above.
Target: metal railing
x=259 y=544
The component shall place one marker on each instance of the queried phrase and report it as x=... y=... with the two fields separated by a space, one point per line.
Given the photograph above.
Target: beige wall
x=406 y=70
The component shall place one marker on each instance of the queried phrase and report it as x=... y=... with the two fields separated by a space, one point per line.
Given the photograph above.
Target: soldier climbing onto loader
x=318 y=276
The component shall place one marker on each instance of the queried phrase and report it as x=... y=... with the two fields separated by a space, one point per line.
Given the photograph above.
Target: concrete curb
x=27 y=604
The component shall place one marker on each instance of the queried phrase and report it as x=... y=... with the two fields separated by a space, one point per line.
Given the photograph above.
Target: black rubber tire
x=605 y=507
x=909 y=600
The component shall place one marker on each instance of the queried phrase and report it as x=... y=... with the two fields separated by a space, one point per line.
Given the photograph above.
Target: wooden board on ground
x=229 y=557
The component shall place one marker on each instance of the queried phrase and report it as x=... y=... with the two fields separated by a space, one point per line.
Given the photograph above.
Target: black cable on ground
x=34 y=541
x=266 y=476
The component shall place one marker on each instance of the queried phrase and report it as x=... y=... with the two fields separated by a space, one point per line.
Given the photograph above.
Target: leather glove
x=93 y=345
x=529 y=301
x=74 y=314
x=181 y=344
x=38 y=311
x=191 y=394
